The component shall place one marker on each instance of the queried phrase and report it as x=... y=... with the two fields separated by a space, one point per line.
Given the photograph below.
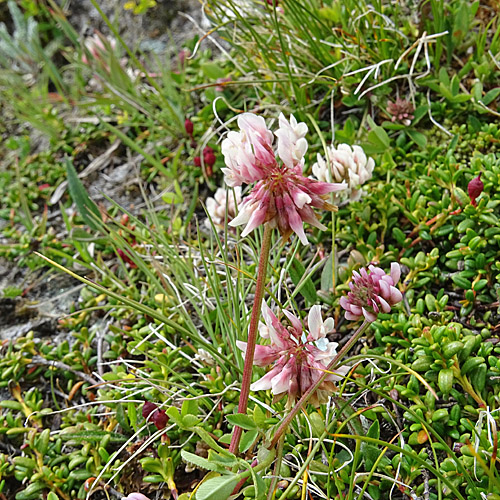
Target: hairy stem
x=252 y=334
x=303 y=400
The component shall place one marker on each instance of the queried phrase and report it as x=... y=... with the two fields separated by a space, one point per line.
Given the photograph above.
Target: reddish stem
x=252 y=334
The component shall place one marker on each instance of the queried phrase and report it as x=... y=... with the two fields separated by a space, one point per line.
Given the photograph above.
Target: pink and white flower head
x=372 y=293
x=299 y=357
x=345 y=164
x=98 y=45
x=135 y=496
x=282 y=196
x=217 y=206
x=401 y=111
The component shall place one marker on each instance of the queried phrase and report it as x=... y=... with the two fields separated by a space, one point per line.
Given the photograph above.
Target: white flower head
x=345 y=164
x=224 y=201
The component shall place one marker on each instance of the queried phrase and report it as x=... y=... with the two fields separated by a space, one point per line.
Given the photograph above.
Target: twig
x=38 y=360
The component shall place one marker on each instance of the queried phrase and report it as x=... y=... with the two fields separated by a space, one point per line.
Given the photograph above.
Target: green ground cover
x=123 y=290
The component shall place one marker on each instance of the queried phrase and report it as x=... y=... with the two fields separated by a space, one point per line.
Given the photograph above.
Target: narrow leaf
x=86 y=207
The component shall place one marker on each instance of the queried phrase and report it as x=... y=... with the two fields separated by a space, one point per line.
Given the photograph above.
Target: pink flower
x=372 y=293
x=135 y=496
x=300 y=358
x=475 y=188
x=282 y=196
x=98 y=45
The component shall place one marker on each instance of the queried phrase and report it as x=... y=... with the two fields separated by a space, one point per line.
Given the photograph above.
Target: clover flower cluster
x=372 y=293
x=345 y=164
x=401 y=111
x=282 y=195
x=299 y=357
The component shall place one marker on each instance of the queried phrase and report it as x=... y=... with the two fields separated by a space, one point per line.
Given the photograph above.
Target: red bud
x=209 y=159
x=197 y=161
x=475 y=188
x=148 y=408
x=188 y=125
x=160 y=419
x=207 y=150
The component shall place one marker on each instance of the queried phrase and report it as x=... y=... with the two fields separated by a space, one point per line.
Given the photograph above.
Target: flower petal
x=265 y=382
x=296 y=323
x=281 y=382
x=396 y=295
x=315 y=323
x=395 y=272
x=369 y=316
x=264 y=355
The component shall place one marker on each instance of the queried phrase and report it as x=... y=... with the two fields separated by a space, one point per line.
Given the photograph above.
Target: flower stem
x=334 y=251
x=303 y=400
x=277 y=468
x=252 y=333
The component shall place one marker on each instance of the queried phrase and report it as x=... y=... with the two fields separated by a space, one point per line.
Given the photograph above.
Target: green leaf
x=247 y=440
x=378 y=140
x=417 y=137
x=217 y=488
x=32 y=491
x=259 y=417
x=132 y=414
x=174 y=414
x=443 y=77
x=327 y=275
x=86 y=207
x=122 y=418
x=374 y=430
x=490 y=96
x=189 y=407
x=175 y=197
x=222 y=460
x=190 y=421
x=201 y=462
x=212 y=71
x=241 y=420
x=307 y=289
x=92 y=436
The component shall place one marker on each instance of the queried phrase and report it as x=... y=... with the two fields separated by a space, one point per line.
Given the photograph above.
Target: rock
x=152 y=31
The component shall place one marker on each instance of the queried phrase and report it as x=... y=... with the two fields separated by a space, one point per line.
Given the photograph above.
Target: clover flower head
x=282 y=195
x=401 y=111
x=372 y=293
x=347 y=164
x=217 y=206
x=98 y=45
x=135 y=496
x=299 y=357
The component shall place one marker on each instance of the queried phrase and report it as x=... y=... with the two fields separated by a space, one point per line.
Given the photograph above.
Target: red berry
x=197 y=161
x=207 y=150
